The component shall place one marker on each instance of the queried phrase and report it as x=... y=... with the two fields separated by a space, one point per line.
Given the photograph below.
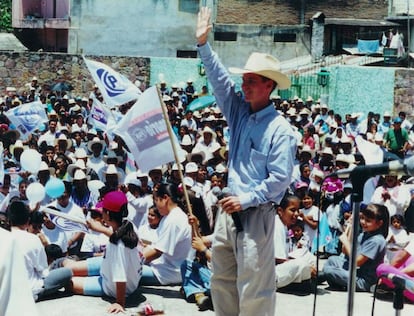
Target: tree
x=6 y=16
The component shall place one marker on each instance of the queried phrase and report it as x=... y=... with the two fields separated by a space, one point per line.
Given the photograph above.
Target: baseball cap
x=114 y=200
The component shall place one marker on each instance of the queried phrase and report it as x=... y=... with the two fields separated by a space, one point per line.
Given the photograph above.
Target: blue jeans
x=55 y=280
x=336 y=273
x=196 y=278
x=148 y=277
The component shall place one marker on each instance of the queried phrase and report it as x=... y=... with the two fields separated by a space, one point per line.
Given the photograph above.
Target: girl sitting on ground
x=291 y=267
x=374 y=221
x=118 y=272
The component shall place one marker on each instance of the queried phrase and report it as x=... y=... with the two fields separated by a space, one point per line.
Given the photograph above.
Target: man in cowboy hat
x=261 y=157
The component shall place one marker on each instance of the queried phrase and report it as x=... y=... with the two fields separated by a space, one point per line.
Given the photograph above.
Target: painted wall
x=362 y=89
x=130 y=28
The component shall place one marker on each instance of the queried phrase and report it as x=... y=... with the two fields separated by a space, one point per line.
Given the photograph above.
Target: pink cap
x=114 y=200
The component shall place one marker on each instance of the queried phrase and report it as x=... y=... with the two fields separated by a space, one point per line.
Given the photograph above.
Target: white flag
x=98 y=117
x=371 y=152
x=144 y=130
x=116 y=89
x=27 y=117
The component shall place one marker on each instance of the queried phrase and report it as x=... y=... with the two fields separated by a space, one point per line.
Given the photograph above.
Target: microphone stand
x=358 y=179
x=398 y=297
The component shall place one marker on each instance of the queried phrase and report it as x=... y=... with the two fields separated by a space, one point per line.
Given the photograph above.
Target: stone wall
x=351 y=88
x=17 y=69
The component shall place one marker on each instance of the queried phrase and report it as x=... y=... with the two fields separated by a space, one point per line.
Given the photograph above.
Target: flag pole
x=171 y=134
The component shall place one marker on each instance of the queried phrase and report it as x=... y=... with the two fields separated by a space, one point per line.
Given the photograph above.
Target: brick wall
x=286 y=12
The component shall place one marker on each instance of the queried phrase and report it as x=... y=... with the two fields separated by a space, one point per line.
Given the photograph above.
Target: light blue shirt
x=262 y=145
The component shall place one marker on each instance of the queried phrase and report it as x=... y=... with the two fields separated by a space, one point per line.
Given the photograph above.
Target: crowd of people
x=153 y=203
x=140 y=228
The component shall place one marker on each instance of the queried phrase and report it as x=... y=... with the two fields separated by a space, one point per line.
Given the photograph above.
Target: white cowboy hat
x=191 y=167
x=79 y=164
x=111 y=169
x=79 y=175
x=132 y=178
x=95 y=140
x=63 y=137
x=208 y=129
x=80 y=153
x=17 y=144
x=112 y=154
x=264 y=65
x=44 y=167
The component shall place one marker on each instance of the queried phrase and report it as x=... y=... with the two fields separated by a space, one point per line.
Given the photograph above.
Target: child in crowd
x=309 y=214
x=147 y=232
x=94 y=242
x=299 y=240
x=290 y=269
x=374 y=221
x=398 y=236
x=118 y=272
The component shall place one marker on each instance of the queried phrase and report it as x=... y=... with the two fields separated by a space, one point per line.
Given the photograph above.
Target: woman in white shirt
x=164 y=257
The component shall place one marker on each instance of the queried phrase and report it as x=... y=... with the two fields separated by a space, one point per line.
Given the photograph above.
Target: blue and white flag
x=27 y=117
x=98 y=117
x=65 y=221
x=144 y=130
x=116 y=89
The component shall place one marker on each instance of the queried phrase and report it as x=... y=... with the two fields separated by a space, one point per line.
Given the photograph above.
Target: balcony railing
x=30 y=22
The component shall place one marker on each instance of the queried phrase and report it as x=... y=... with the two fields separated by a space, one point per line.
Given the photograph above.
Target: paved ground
x=327 y=303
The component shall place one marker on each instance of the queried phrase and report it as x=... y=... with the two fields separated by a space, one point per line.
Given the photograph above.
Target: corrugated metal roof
x=9 y=42
x=358 y=22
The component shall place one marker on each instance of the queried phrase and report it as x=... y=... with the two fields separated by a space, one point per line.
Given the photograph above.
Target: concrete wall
x=259 y=38
x=158 y=28
x=130 y=28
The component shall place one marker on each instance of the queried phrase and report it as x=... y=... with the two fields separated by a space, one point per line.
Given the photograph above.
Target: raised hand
x=204 y=25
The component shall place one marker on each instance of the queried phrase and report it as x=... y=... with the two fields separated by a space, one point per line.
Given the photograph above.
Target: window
x=186 y=54
x=285 y=37
x=190 y=6
x=225 y=36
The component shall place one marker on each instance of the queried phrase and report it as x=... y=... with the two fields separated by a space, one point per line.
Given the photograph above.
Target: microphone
x=394 y=167
x=400 y=281
x=220 y=194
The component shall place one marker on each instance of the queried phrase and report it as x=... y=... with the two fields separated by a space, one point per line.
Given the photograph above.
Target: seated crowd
x=141 y=231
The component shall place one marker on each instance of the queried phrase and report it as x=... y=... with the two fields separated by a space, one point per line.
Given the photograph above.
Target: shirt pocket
x=258 y=164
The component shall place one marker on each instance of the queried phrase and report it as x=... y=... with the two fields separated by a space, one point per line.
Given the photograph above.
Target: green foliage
x=6 y=16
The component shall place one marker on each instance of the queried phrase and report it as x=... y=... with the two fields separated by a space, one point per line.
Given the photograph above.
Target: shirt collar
x=260 y=115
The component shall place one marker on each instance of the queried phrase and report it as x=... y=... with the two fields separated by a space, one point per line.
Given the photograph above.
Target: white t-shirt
x=138 y=208
x=16 y=296
x=56 y=236
x=147 y=234
x=281 y=239
x=174 y=241
x=313 y=212
x=94 y=242
x=121 y=264
x=34 y=258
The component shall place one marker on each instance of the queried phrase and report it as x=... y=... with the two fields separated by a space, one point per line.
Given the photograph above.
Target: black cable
x=375 y=294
